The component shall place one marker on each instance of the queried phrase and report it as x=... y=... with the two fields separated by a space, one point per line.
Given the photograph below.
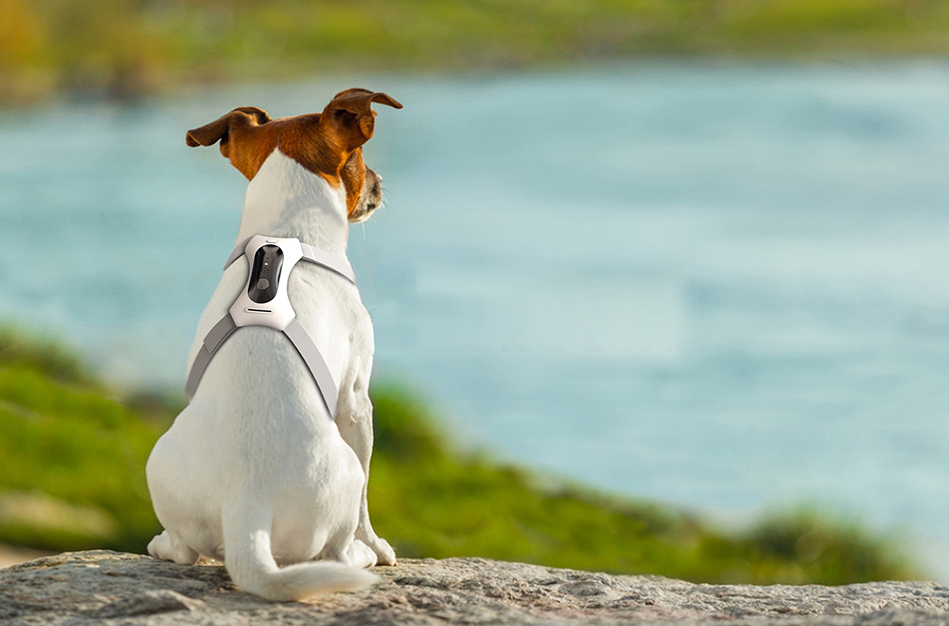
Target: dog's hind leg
x=169 y=547
x=362 y=555
x=354 y=553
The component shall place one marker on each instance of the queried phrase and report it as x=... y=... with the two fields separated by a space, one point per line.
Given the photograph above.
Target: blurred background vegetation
x=122 y=48
x=72 y=460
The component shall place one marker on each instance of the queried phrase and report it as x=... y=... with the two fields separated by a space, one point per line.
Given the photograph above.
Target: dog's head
x=329 y=144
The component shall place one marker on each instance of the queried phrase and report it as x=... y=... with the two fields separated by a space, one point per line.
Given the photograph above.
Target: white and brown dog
x=254 y=471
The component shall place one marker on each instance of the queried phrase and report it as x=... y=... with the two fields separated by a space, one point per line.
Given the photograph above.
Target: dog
x=255 y=472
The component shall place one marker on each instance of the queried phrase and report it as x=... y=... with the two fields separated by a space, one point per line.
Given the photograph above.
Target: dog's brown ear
x=349 y=118
x=221 y=128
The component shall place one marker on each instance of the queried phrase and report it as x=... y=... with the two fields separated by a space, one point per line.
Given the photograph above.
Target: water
x=725 y=287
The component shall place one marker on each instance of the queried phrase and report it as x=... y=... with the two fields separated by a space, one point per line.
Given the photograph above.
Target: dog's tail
x=249 y=561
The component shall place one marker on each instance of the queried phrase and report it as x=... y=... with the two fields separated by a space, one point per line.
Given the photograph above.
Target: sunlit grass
x=72 y=476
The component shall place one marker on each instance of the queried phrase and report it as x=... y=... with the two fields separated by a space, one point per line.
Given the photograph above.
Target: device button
x=263 y=284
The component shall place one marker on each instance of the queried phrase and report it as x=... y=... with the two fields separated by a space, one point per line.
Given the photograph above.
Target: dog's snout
x=370 y=198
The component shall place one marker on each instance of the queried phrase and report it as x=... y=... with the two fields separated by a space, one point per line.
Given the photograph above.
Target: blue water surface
x=720 y=286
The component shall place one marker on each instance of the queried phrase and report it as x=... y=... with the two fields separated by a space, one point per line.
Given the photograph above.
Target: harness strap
x=327 y=260
x=221 y=331
x=314 y=361
x=237 y=253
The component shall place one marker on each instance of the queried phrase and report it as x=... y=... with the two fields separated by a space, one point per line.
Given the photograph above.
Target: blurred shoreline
x=122 y=51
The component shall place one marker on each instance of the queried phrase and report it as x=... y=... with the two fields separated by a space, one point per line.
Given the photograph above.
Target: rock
x=89 y=587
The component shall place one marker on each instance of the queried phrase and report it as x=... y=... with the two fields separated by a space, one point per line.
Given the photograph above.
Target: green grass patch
x=72 y=461
x=122 y=48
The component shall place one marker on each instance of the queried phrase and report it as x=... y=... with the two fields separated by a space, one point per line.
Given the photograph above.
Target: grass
x=126 y=47
x=72 y=477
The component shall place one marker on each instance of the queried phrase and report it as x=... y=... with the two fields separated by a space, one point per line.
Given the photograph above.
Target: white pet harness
x=264 y=302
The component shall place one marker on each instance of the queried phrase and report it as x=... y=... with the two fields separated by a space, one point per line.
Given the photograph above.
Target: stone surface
x=108 y=587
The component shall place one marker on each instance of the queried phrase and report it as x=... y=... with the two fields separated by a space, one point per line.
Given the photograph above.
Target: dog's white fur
x=254 y=471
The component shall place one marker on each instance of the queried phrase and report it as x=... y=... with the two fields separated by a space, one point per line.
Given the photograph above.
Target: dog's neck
x=287 y=200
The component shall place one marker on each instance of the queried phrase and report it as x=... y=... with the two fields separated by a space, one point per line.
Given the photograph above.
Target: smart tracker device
x=268 y=261
x=264 y=302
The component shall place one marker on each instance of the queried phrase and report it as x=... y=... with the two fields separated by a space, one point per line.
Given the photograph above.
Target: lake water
x=720 y=286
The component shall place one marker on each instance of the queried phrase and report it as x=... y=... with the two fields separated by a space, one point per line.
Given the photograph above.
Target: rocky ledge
x=91 y=587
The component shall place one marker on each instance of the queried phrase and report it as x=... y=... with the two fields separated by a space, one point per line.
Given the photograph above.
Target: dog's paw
x=167 y=549
x=385 y=555
x=361 y=555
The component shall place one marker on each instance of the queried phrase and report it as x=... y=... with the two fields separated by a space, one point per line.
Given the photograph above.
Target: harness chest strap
x=261 y=316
